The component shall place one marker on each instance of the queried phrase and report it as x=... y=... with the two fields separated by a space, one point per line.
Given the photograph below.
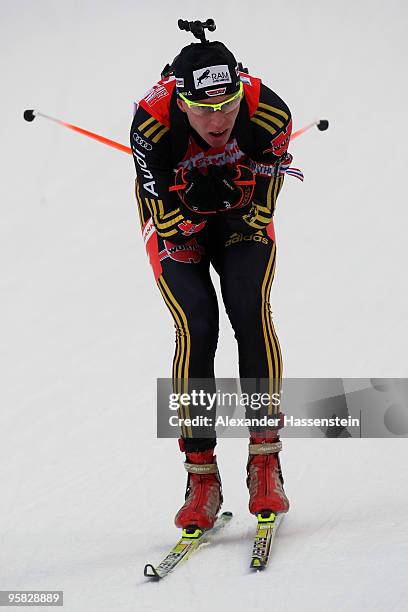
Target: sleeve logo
x=187 y=227
x=141 y=142
x=155 y=94
x=280 y=143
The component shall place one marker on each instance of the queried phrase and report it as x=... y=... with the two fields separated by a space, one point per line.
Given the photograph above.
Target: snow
x=84 y=482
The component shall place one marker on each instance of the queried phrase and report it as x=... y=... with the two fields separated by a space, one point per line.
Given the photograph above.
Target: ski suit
x=240 y=246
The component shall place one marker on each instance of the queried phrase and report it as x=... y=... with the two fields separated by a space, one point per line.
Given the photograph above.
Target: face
x=215 y=127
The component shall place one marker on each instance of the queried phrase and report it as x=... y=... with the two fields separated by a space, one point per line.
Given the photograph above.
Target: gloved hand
x=233 y=187
x=195 y=190
x=218 y=191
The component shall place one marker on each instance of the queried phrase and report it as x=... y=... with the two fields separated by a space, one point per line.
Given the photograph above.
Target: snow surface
x=84 y=483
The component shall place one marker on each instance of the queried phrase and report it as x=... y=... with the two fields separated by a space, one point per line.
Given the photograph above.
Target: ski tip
x=150 y=572
x=256 y=564
x=227 y=514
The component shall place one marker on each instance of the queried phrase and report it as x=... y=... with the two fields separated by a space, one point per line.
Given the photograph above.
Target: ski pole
x=321 y=125
x=30 y=115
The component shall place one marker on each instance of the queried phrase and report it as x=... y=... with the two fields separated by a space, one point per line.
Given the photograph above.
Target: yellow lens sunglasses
x=199 y=108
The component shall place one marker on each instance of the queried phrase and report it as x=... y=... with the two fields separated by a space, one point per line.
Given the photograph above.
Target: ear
x=181 y=104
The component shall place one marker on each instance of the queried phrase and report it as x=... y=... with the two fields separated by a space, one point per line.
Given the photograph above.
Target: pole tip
x=323 y=125
x=29 y=115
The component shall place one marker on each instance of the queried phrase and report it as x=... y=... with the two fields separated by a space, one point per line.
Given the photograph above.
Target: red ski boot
x=203 y=492
x=264 y=476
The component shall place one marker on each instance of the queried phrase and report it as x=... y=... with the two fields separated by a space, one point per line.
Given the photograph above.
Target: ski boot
x=264 y=475
x=203 y=497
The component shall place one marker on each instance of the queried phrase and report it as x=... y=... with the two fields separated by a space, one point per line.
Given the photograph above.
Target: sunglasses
x=198 y=108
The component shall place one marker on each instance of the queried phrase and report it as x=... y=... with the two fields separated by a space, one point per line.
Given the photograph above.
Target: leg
x=183 y=277
x=246 y=269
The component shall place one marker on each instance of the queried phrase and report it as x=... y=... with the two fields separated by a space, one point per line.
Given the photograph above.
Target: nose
x=218 y=119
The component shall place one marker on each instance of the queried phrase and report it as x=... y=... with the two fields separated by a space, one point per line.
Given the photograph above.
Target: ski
x=268 y=524
x=190 y=541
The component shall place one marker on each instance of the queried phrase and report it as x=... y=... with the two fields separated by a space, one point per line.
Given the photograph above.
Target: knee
x=203 y=329
x=246 y=312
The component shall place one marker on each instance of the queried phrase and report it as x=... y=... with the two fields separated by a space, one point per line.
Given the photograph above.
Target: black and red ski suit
x=240 y=247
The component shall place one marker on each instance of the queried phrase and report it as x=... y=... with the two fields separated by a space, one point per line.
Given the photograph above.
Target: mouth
x=218 y=133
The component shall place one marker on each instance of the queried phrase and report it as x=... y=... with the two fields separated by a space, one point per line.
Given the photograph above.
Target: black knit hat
x=206 y=69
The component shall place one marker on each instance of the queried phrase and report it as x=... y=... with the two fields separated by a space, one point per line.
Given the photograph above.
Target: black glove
x=218 y=191
x=195 y=190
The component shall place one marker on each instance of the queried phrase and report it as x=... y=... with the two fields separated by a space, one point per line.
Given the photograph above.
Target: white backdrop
x=84 y=332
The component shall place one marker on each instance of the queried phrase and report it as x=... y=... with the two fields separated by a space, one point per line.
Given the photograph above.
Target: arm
x=151 y=148
x=271 y=127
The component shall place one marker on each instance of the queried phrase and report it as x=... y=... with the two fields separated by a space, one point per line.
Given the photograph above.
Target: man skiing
x=210 y=149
